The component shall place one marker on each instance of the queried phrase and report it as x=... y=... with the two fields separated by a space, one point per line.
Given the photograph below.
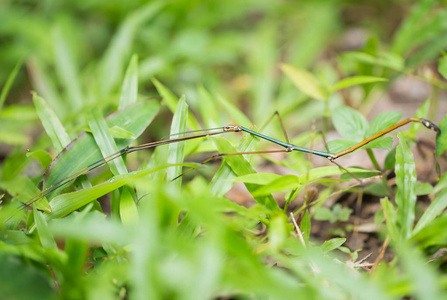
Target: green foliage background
x=114 y=68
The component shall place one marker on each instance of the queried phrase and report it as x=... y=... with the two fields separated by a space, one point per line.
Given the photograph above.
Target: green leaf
x=129 y=89
x=305 y=81
x=45 y=236
x=332 y=244
x=286 y=182
x=176 y=150
x=8 y=84
x=121 y=133
x=355 y=80
x=442 y=66
x=391 y=218
x=423 y=188
x=350 y=123
x=383 y=121
x=387 y=60
x=277 y=231
x=23 y=189
x=441 y=139
x=306 y=226
x=83 y=151
x=406 y=188
x=435 y=208
x=105 y=141
x=380 y=143
x=41 y=156
x=128 y=208
x=51 y=123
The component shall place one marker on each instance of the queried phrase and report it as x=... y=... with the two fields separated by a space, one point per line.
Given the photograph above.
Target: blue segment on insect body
x=287 y=145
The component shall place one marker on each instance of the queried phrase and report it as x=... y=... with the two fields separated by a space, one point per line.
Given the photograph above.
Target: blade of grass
x=406 y=188
x=51 y=123
x=129 y=89
x=7 y=87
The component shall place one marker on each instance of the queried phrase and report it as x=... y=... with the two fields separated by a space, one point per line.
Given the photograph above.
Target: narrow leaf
x=406 y=188
x=332 y=244
x=441 y=139
x=105 y=141
x=129 y=89
x=305 y=81
x=8 y=84
x=51 y=123
x=355 y=80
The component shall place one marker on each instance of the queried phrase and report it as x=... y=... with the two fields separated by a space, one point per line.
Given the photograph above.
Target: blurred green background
x=236 y=61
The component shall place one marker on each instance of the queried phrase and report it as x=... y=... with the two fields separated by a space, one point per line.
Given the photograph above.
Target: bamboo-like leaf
x=435 y=208
x=129 y=89
x=8 y=84
x=406 y=188
x=51 y=123
x=391 y=218
x=355 y=80
x=105 y=141
x=305 y=81
x=332 y=244
x=176 y=150
x=45 y=236
x=128 y=208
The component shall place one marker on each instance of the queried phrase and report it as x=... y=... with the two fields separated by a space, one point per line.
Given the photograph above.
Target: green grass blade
x=45 y=236
x=51 y=123
x=435 y=208
x=391 y=218
x=305 y=81
x=8 y=84
x=105 y=141
x=129 y=89
x=176 y=150
x=406 y=188
x=355 y=80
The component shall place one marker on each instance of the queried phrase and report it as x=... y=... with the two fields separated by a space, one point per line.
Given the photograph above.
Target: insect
x=287 y=147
